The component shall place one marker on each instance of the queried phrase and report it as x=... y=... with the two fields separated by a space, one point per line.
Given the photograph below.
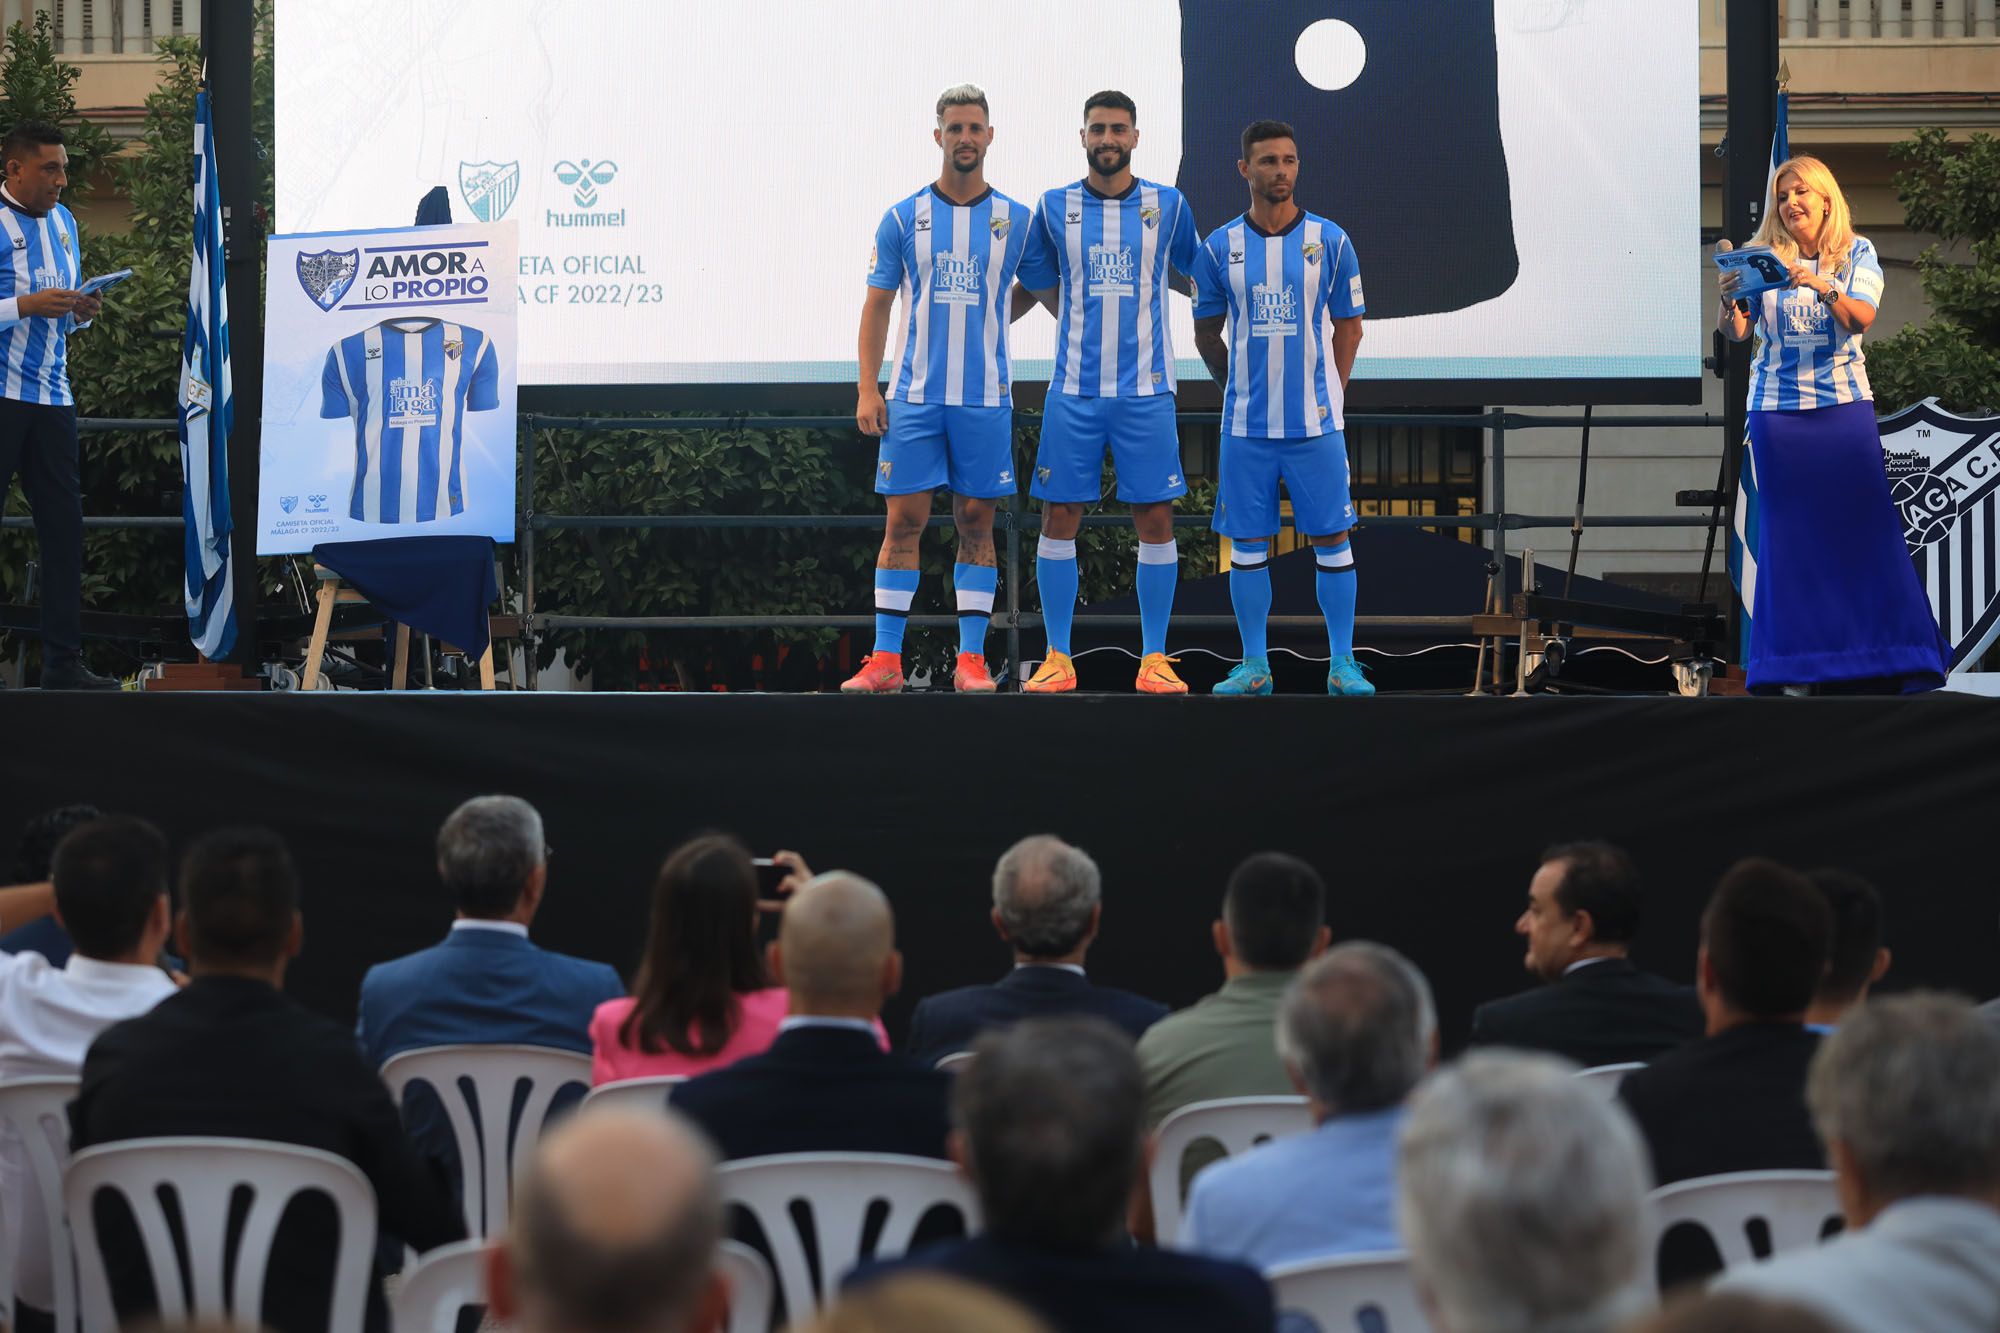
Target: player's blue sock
x=1055 y=575
x=895 y=589
x=1334 y=581
x=976 y=585
x=1159 y=572
x=1250 y=594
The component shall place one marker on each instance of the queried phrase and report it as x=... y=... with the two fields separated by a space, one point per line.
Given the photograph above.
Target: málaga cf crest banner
x=1944 y=475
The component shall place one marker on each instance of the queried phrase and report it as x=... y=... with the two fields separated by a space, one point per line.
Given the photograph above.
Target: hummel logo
x=1006 y=478
x=923 y=224
x=1235 y=256
x=1076 y=217
x=1174 y=479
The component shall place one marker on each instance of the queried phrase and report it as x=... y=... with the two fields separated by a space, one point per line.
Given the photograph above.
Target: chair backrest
x=1794 y=1208
x=838 y=1191
x=438 y=1286
x=38 y=1111
x=1338 y=1294
x=1236 y=1123
x=750 y=1287
x=478 y=1086
x=203 y=1175
x=635 y=1094
x=1604 y=1079
x=952 y=1061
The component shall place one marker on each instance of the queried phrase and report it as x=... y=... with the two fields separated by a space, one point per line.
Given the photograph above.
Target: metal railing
x=1914 y=20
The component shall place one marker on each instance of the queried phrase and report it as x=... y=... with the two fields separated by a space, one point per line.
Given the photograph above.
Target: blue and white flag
x=207 y=410
x=1743 y=534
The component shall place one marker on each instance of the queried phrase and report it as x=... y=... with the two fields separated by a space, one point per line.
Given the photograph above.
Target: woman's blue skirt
x=1837 y=597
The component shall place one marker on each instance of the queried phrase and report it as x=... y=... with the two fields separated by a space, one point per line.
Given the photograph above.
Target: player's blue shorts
x=1145 y=449
x=1314 y=471
x=928 y=445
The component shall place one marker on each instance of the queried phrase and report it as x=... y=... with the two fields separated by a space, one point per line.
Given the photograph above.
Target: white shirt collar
x=509 y=927
x=1582 y=963
x=1063 y=967
x=99 y=969
x=819 y=1021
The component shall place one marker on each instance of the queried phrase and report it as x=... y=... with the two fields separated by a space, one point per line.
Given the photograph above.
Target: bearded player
x=951 y=250
x=1282 y=280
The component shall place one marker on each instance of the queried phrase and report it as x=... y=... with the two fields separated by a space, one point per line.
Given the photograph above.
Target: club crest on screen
x=489 y=187
x=327 y=274
x=1944 y=477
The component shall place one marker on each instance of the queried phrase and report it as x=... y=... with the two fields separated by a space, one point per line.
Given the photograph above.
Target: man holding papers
x=40 y=305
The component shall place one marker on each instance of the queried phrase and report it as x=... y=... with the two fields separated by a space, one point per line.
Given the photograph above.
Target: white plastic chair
x=750 y=1287
x=1795 y=1205
x=952 y=1061
x=38 y=1111
x=838 y=1190
x=203 y=1175
x=1336 y=1293
x=634 y=1094
x=1604 y=1079
x=491 y=1151
x=439 y=1285
x=1237 y=1123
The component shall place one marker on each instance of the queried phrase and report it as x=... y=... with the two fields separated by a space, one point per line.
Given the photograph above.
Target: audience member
x=1595 y=1007
x=31 y=866
x=615 y=1227
x=924 y=1303
x=1522 y=1199
x=1047 y=905
x=703 y=998
x=231 y=1056
x=826 y=1084
x=1050 y=1118
x=1856 y=958
x=1732 y=1312
x=1357 y=1031
x=1735 y=1099
x=110 y=895
x=1906 y=1096
x=1273 y=920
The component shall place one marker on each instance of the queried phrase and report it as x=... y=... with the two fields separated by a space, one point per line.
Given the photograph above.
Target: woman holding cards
x=1836 y=597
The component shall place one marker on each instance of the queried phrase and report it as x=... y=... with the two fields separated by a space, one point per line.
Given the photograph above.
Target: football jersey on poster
x=1408 y=150
x=407 y=385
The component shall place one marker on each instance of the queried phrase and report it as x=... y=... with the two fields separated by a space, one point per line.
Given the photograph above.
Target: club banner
x=389 y=386
x=1944 y=475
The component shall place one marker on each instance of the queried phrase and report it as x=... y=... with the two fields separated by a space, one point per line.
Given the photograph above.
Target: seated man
x=31 y=866
x=1735 y=1099
x=230 y=1056
x=826 y=1084
x=1050 y=1129
x=1906 y=1096
x=110 y=892
x=1594 y=1006
x=1047 y=904
x=1856 y=959
x=1522 y=1199
x=1273 y=920
x=1357 y=1031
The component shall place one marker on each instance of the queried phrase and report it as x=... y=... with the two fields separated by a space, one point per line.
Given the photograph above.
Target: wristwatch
x=1830 y=296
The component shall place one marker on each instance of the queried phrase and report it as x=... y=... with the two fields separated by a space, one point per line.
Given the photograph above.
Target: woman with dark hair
x=703 y=997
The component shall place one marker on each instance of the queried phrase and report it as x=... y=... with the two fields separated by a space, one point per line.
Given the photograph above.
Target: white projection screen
x=697 y=184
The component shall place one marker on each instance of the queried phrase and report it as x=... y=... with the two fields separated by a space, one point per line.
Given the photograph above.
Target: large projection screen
x=698 y=184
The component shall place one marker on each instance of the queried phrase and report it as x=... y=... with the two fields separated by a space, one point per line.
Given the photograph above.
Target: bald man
x=614 y=1231
x=826 y=1085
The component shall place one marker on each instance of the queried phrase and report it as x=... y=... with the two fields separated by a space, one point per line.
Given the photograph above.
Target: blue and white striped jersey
x=407 y=384
x=1112 y=256
x=36 y=253
x=954 y=265
x=1805 y=357
x=1279 y=291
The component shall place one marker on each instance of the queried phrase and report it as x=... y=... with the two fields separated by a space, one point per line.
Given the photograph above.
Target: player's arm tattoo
x=1214 y=352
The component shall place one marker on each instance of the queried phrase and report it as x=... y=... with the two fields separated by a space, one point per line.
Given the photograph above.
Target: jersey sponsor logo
x=1000 y=226
x=1274 y=310
x=489 y=187
x=325 y=275
x=956 y=281
x=1311 y=250
x=1354 y=290
x=1150 y=216
x=1111 y=270
x=1805 y=320
x=413 y=402
x=48 y=275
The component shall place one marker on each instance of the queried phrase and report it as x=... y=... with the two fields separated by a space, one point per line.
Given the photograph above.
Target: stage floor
x=1426 y=815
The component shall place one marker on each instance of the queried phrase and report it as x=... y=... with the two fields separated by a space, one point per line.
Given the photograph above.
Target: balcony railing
x=108 y=27
x=1889 y=20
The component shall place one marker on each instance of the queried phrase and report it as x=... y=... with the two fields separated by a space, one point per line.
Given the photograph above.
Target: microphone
x=1723 y=246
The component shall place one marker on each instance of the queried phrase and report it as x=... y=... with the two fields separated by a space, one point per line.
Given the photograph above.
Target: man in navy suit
x=826 y=1084
x=1051 y=1130
x=486 y=983
x=1047 y=904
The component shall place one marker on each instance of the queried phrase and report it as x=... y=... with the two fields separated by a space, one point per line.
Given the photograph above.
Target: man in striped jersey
x=1111 y=237
x=1279 y=278
x=40 y=268
x=951 y=250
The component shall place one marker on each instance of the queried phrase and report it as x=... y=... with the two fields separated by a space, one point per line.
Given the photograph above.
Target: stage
x=1425 y=814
